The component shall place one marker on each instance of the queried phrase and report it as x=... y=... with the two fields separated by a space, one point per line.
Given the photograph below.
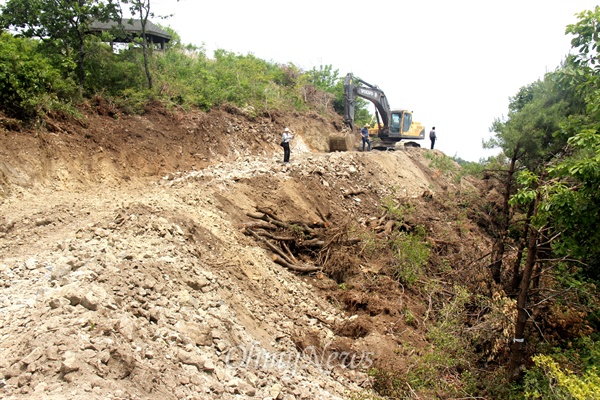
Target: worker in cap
x=285 y=143
x=364 y=133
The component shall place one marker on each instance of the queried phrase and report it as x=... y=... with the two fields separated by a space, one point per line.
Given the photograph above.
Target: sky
x=453 y=63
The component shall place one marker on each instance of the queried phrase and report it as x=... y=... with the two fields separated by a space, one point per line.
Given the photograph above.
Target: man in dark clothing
x=432 y=137
x=364 y=132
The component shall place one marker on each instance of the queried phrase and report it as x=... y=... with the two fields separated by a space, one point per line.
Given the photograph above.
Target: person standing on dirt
x=432 y=137
x=285 y=143
x=364 y=132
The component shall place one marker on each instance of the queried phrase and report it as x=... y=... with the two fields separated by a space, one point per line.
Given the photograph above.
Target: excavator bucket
x=338 y=143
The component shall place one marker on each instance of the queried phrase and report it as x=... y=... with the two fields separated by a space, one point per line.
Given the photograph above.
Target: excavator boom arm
x=356 y=87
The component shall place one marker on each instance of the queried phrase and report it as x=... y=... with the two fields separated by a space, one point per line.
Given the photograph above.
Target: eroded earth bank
x=127 y=270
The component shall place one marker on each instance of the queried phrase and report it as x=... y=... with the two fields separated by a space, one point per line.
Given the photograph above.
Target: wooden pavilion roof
x=132 y=28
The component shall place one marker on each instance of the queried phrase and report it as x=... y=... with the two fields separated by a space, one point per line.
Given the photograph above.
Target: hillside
x=128 y=270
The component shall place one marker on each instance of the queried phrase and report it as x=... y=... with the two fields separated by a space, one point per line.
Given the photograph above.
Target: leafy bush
x=446 y=368
x=469 y=167
x=391 y=384
x=29 y=83
x=33 y=74
x=549 y=380
x=442 y=163
x=110 y=73
x=134 y=102
x=183 y=77
x=412 y=252
x=448 y=359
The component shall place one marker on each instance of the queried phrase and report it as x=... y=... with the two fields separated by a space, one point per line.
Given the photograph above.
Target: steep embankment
x=126 y=272
x=104 y=147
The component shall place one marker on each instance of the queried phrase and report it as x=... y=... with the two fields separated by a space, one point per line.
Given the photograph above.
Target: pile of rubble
x=153 y=291
x=145 y=302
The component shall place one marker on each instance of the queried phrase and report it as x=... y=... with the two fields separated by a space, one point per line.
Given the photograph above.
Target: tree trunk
x=81 y=65
x=516 y=354
x=516 y=278
x=143 y=22
x=146 y=67
x=543 y=252
x=499 y=246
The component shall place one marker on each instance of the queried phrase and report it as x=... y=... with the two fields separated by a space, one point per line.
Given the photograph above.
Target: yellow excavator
x=392 y=127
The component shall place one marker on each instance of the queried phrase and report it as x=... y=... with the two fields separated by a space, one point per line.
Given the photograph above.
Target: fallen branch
x=294 y=242
x=303 y=228
x=256 y=216
x=281 y=258
x=289 y=253
x=277 y=238
x=294 y=267
x=389 y=226
x=267 y=212
x=323 y=218
x=259 y=225
x=273 y=248
x=312 y=243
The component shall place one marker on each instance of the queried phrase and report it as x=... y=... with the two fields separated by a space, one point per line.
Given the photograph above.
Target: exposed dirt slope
x=105 y=147
x=125 y=272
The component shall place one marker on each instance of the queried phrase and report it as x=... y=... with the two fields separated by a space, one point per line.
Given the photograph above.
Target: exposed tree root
x=294 y=242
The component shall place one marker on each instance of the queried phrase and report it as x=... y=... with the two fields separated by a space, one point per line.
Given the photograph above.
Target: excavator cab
x=400 y=119
x=411 y=130
x=401 y=127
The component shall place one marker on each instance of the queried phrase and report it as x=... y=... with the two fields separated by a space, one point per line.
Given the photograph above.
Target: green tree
x=575 y=201
x=563 y=185
x=62 y=24
x=529 y=138
x=28 y=80
x=105 y=70
x=324 y=78
x=142 y=9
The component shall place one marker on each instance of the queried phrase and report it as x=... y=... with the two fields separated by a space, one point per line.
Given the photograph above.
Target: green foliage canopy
x=64 y=25
x=531 y=132
x=182 y=75
x=28 y=80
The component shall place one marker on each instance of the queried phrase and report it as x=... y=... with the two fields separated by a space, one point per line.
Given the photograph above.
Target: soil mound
x=126 y=272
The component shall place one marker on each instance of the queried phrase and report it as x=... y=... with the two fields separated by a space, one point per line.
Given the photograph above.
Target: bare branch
x=294 y=267
x=551 y=297
x=273 y=248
